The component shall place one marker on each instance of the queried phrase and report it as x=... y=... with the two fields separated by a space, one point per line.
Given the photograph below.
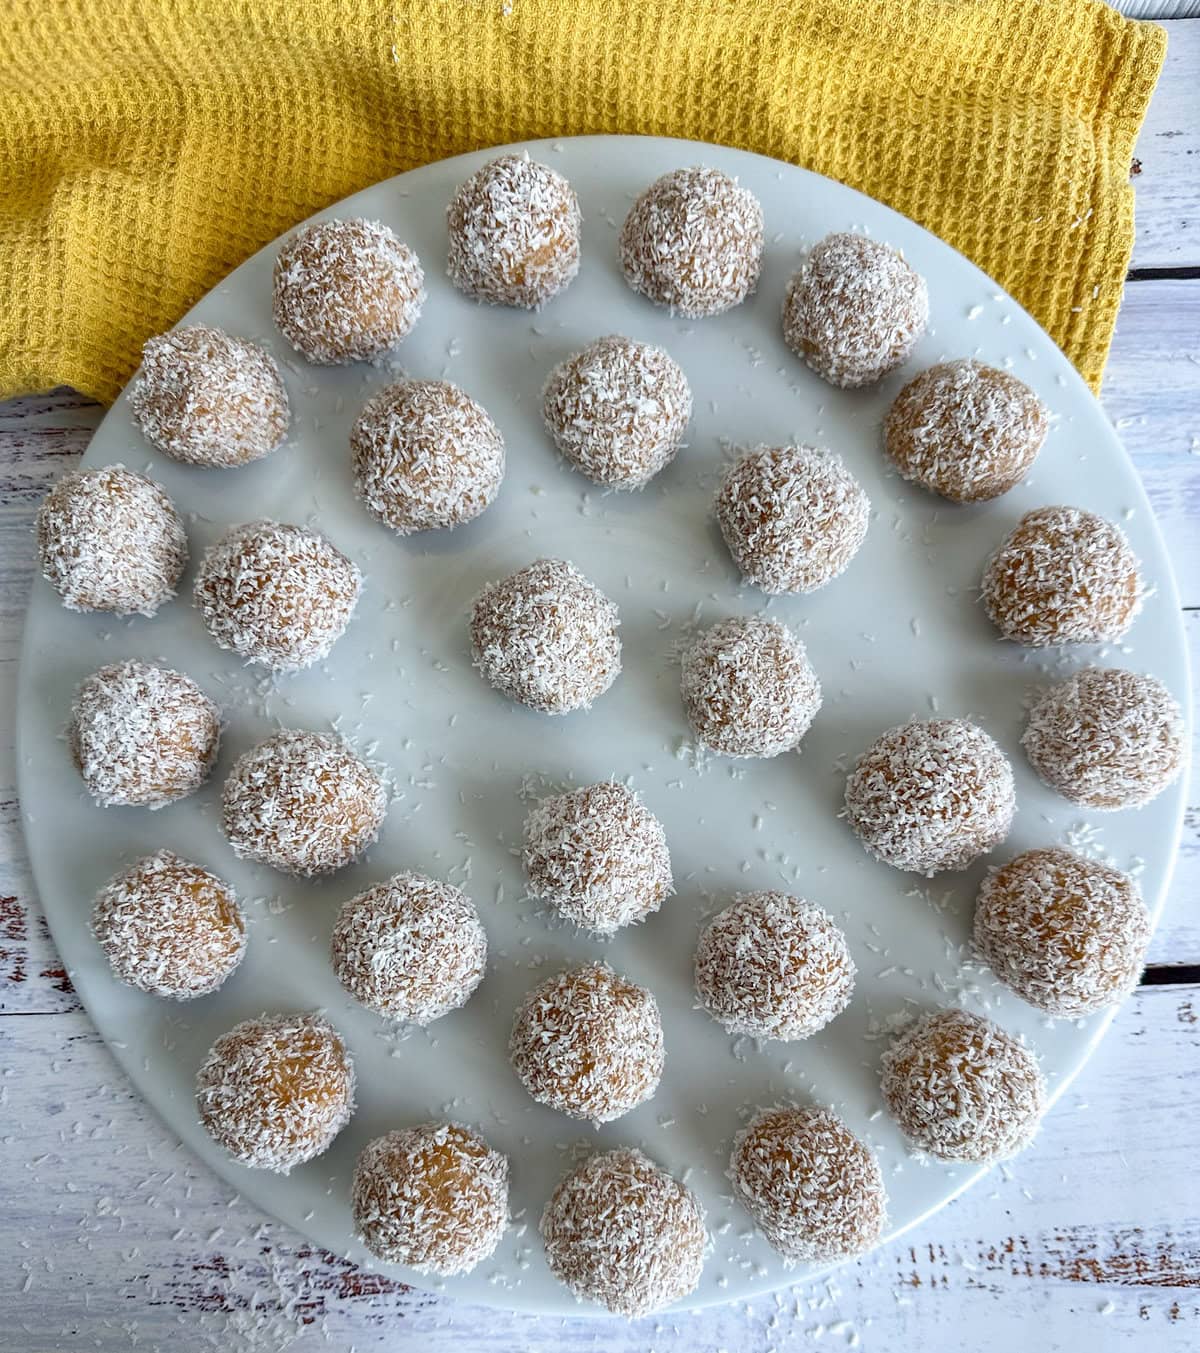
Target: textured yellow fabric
x=147 y=146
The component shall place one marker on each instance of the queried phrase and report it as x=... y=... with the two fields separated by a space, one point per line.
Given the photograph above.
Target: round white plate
x=900 y=634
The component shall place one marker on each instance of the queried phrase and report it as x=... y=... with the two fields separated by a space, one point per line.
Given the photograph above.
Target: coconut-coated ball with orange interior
x=433 y=1197
x=965 y=430
x=169 y=927
x=1068 y=934
x=207 y=398
x=588 y=1043
x=346 y=290
x=275 y=1091
x=110 y=540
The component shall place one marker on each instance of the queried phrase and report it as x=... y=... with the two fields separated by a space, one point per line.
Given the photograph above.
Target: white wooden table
x=113 y=1237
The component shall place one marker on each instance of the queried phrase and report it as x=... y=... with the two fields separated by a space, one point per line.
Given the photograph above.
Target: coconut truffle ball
x=962 y=1089
x=598 y=856
x=931 y=796
x=693 y=242
x=814 y=1190
x=207 y=398
x=623 y=1233
x=425 y=456
x=411 y=949
x=618 y=411
x=854 y=311
x=110 y=540
x=1067 y=934
x=169 y=927
x=793 y=517
x=546 y=637
x=773 y=966
x=142 y=735
x=588 y=1043
x=302 y=803
x=276 y=1091
x=275 y=594
x=513 y=233
x=434 y=1197
x=965 y=430
x=1106 y=738
x=748 y=688
x=346 y=291
x=1062 y=576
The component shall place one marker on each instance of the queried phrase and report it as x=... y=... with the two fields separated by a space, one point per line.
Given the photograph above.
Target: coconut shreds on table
x=205 y=397
x=813 y=1188
x=426 y=456
x=1066 y=933
x=962 y=1089
x=433 y=1197
x=410 y=949
x=748 y=688
x=110 y=540
x=773 y=966
x=142 y=735
x=598 y=856
x=169 y=927
x=618 y=411
x=302 y=803
x=793 y=517
x=276 y=594
x=546 y=637
x=346 y=291
x=622 y=1232
x=588 y=1043
x=693 y=242
x=275 y=1091
x=513 y=233
x=1106 y=738
x=965 y=430
x=1062 y=576
x=855 y=310
x=931 y=796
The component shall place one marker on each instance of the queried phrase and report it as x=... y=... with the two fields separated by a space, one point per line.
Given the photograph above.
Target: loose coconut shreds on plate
x=813 y=1188
x=620 y=1231
x=748 y=688
x=205 y=397
x=1063 y=576
x=110 y=540
x=276 y=1091
x=1066 y=933
x=618 y=411
x=302 y=803
x=546 y=637
x=773 y=966
x=433 y=1196
x=693 y=242
x=793 y=517
x=931 y=796
x=142 y=735
x=588 y=1043
x=426 y=456
x=855 y=310
x=276 y=594
x=410 y=949
x=965 y=430
x=962 y=1089
x=1106 y=738
x=346 y=291
x=513 y=233
x=169 y=927
x=598 y=856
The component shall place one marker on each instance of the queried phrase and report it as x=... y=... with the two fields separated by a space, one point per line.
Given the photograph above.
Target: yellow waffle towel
x=148 y=146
